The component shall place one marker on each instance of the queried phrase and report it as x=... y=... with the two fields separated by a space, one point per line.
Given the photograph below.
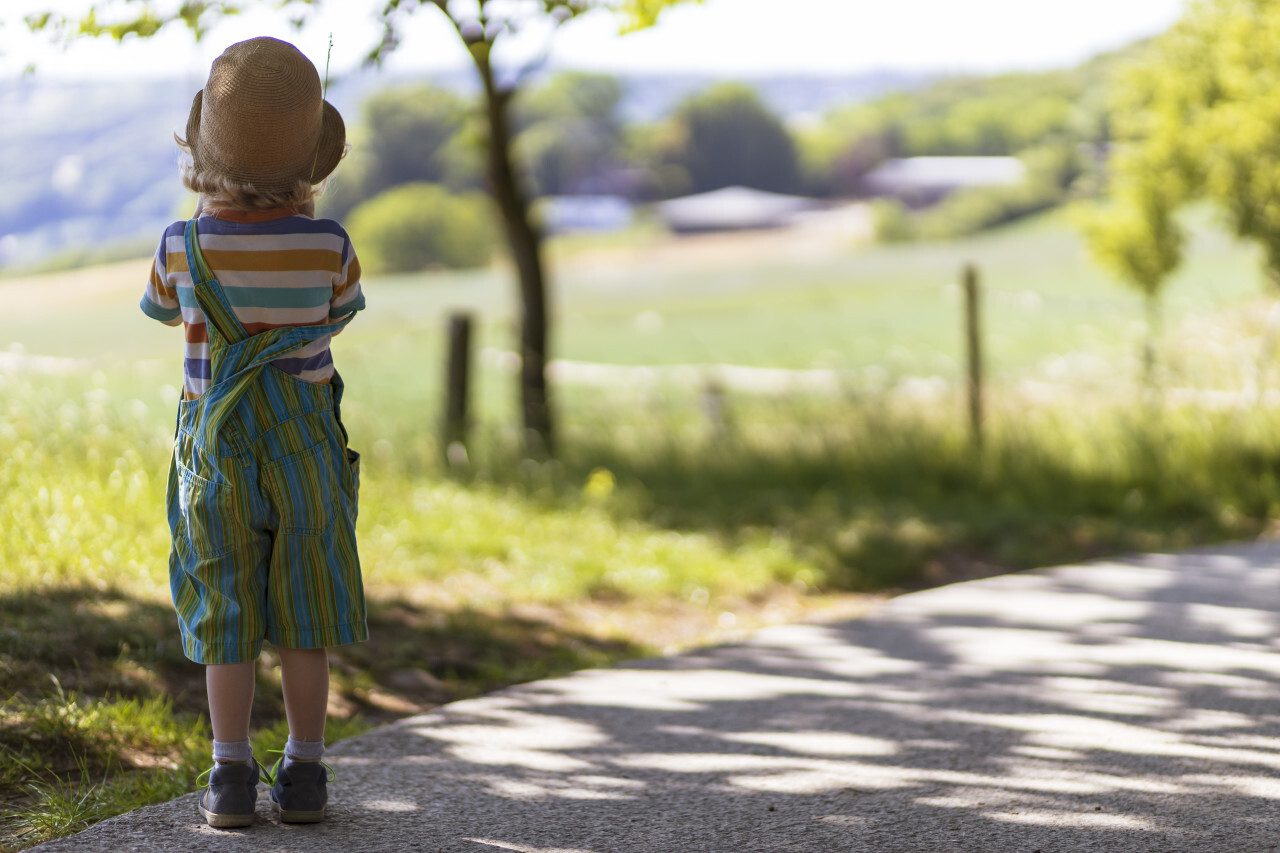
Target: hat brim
x=329 y=149
x=332 y=145
x=193 y=126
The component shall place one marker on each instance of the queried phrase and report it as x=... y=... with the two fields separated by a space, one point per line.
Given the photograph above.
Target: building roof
x=564 y=213
x=944 y=173
x=731 y=208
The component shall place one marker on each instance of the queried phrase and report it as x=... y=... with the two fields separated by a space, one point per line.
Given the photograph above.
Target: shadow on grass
x=93 y=641
x=106 y=643
x=903 y=502
x=104 y=713
x=1125 y=706
x=417 y=656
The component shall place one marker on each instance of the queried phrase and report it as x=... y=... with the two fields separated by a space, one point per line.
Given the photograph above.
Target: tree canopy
x=413 y=133
x=1198 y=115
x=726 y=136
x=569 y=132
x=480 y=24
x=145 y=18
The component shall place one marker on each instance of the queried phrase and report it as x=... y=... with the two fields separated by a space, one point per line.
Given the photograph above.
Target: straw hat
x=261 y=119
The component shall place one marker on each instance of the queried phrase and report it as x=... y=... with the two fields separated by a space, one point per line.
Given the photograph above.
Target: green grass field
x=895 y=308
x=653 y=530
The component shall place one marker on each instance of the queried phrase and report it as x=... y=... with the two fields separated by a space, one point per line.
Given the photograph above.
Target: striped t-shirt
x=277 y=269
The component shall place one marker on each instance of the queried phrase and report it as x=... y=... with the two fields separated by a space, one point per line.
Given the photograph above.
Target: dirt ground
x=820 y=233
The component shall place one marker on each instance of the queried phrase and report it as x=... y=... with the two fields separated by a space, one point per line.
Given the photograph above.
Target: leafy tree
x=834 y=166
x=417 y=133
x=416 y=226
x=1005 y=115
x=570 y=132
x=480 y=24
x=1203 y=102
x=1136 y=237
x=656 y=146
x=407 y=134
x=570 y=95
x=728 y=137
x=1197 y=115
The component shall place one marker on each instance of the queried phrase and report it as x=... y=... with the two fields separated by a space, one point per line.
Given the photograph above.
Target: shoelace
x=270 y=776
x=202 y=781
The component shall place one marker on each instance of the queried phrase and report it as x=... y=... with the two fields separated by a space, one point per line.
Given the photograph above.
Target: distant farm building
x=732 y=209
x=921 y=181
x=568 y=213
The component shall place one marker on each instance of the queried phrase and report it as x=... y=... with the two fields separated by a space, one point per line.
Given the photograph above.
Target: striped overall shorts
x=262 y=497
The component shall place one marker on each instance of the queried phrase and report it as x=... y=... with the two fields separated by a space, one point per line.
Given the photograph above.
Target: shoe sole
x=226 y=821
x=297 y=815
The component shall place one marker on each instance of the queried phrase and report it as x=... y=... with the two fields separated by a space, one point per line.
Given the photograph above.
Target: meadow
x=657 y=527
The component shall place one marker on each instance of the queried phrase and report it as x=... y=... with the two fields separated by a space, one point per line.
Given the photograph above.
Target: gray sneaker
x=230 y=799
x=299 y=790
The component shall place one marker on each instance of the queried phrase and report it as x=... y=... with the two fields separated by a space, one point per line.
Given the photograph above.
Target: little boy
x=262 y=487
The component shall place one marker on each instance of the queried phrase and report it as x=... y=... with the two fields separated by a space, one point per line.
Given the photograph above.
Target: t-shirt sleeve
x=347 y=295
x=160 y=301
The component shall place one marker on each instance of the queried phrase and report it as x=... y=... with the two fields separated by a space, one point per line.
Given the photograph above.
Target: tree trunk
x=526 y=251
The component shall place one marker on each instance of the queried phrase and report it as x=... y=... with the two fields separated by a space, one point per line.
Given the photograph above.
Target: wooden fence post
x=457 y=386
x=716 y=408
x=973 y=336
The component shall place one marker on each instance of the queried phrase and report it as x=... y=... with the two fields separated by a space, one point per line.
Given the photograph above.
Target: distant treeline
x=572 y=140
x=1058 y=123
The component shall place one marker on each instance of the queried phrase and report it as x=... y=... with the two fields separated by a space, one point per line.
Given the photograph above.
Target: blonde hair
x=220 y=191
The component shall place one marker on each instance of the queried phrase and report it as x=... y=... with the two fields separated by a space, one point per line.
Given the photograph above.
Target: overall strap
x=238 y=358
x=209 y=293
x=251 y=356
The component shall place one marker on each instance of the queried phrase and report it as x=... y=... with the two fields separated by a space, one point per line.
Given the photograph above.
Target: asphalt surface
x=1128 y=706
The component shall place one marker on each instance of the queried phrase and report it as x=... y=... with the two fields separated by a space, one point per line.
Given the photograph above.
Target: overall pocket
x=207 y=504
x=304 y=490
x=351 y=500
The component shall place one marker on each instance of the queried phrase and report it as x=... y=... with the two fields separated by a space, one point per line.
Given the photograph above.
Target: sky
x=724 y=37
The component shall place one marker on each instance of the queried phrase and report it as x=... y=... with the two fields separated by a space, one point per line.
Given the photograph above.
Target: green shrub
x=1051 y=170
x=417 y=226
x=970 y=211
x=892 y=221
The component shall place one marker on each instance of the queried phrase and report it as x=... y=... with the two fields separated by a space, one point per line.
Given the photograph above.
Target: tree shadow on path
x=1132 y=705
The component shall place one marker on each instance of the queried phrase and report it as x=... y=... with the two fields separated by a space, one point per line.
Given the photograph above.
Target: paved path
x=1126 y=706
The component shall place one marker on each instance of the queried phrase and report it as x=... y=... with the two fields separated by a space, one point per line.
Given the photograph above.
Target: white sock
x=232 y=751
x=304 y=750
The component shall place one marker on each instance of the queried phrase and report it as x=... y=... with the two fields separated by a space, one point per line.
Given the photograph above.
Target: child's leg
x=230 y=687
x=299 y=779
x=304 y=679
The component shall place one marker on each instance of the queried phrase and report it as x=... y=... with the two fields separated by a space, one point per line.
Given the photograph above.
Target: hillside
x=93 y=164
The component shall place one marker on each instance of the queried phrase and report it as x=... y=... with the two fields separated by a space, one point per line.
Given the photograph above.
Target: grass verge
x=649 y=534
x=652 y=532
